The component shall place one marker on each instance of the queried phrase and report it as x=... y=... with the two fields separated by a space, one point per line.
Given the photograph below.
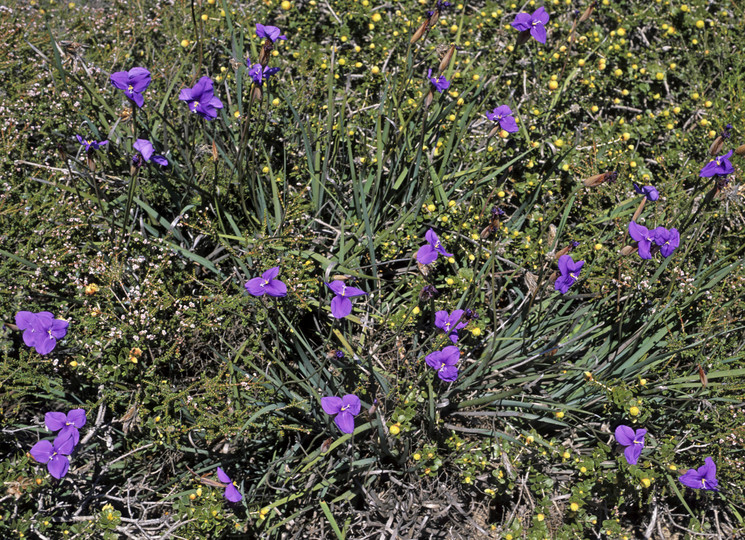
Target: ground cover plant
x=358 y=269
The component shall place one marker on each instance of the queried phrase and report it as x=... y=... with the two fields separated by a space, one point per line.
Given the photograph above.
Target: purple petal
x=58 y=466
x=563 y=283
x=345 y=422
x=160 y=160
x=341 y=307
x=72 y=432
x=709 y=170
x=185 y=94
x=508 y=124
x=450 y=355
x=651 y=193
x=215 y=103
x=276 y=288
x=31 y=337
x=59 y=328
x=632 y=453
x=353 y=291
x=77 y=417
x=139 y=78
x=441 y=319
x=137 y=98
x=45 y=344
x=624 y=435
x=522 y=21
x=336 y=286
x=564 y=262
x=671 y=243
x=42 y=451
x=638 y=232
x=144 y=147
x=64 y=443
x=254 y=286
x=691 y=479
x=120 y=80
x=434 y=360
x=426 y=254
x=645 y=247
x=232 y=494
x=538 y=31
x=55 y=420
x=448 y=373
x=431 y=237
x=25 y=319
x=203 y=90
x=332 y=404
x=223 y=477
x=271 y=273
x=540 y=15
x=353 y=403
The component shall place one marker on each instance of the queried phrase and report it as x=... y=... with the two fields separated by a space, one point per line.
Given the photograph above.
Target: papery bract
x=231 y=491
x=632 y=440
x=345 y=408
x=266 y=284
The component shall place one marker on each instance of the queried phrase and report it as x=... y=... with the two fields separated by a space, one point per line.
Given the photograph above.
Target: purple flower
x=69 y=423
x=266 y=284
x=644 y=237
x=133 y=82
x=345 y=408
x=668 y=240
x=41 y=330
x=569 y=273
x=54 y=455
x=201 y=99
x=503 y=115
x=90 y=144
x=268 y=32
x=341 y=305
x=145 y=148
x=650 y=192
x=701 y=478
x=440 y=6
x=231 y=492
x=259 y=73
x=443 y=362
x=720 y=166
x=534 y=23
x=449 y=323
x=633 y=441
x=428 y=253
x=440 y=83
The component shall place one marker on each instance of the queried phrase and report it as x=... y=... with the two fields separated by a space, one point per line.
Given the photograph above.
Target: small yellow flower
x=192 y=496
x=529 y=439
x=449 y=281
x=642 y=381
x=416 y=310
x=237 y=114
x=73 y=364
x=501 y=194
x=583 y=470
x=476 y=332
x=417 y=456
x=184 y=43
x=646 y=482
x=204 y=17
x=376 y=17
x=395 y=429
x=286 y=5
x=598 y=246
x=431 y=207
x=553 y=85
x=672 y=467
x=574 y=507
x=540 y=517
x=275 y=102
x=700 y=23
x=91 y=289
x=566 y=455
x=560 y=415
x=634 y=411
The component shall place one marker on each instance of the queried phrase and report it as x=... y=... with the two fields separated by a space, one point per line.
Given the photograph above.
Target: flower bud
x=445 y=62
x=716 y=147
x=740 y=150
x=588 y=12
x=598 y=179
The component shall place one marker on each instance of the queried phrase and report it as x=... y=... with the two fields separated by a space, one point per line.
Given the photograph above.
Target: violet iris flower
x=41 y=330
x=569 y=273
x=90 y=144
x=701 y=478
x=68 y=423
x=231 y=492
x=668 y=240
x=644 y=237
x=449 y=323
x=202 y=99
x=443 y=362
x=341 y=305
x=259 y=73
x=428 y=253
x=650 y=192
x=54 y=455
x=503 y=115
x=535 y=23
x=345 y=408
x=440 y=83
x=633 y=441
x=268 y=32
x=720 y=166
x=440 y=6
x=145 y=148
x=266 y=284
x=133 y=82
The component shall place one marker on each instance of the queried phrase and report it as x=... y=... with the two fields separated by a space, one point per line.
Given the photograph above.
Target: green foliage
x=336 y=169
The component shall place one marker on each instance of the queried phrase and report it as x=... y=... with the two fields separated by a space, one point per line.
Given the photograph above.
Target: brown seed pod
x=716 y=146
x=740 y=150
x=627 y=250
x=420 y=31
x=588 y=12
x=446 y=59
x=598 y=179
